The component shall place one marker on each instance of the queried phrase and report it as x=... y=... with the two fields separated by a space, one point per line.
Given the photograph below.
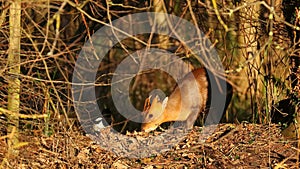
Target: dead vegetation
x=231 y=146
x=258 y=44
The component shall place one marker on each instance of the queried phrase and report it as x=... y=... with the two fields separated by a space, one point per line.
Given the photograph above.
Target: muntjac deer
x=189 y=98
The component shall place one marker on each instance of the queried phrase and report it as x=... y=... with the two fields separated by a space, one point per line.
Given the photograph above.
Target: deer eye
x=150 y=116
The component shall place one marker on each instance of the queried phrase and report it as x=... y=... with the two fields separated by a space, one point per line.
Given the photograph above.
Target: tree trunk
x=248 y=38
x=14 y=70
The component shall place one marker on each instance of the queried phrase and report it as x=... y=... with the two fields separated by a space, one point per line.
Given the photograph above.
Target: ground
x=231 y=146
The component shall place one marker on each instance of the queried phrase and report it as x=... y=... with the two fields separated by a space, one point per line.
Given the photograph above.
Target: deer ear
x=164 y=103
x=149 y=98
x=147 y=103
x=156 y=99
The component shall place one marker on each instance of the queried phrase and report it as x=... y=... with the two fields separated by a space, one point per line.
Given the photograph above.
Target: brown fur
x=180 y=106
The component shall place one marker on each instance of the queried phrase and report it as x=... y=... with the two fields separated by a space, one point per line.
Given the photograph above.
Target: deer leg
x=192 y=117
